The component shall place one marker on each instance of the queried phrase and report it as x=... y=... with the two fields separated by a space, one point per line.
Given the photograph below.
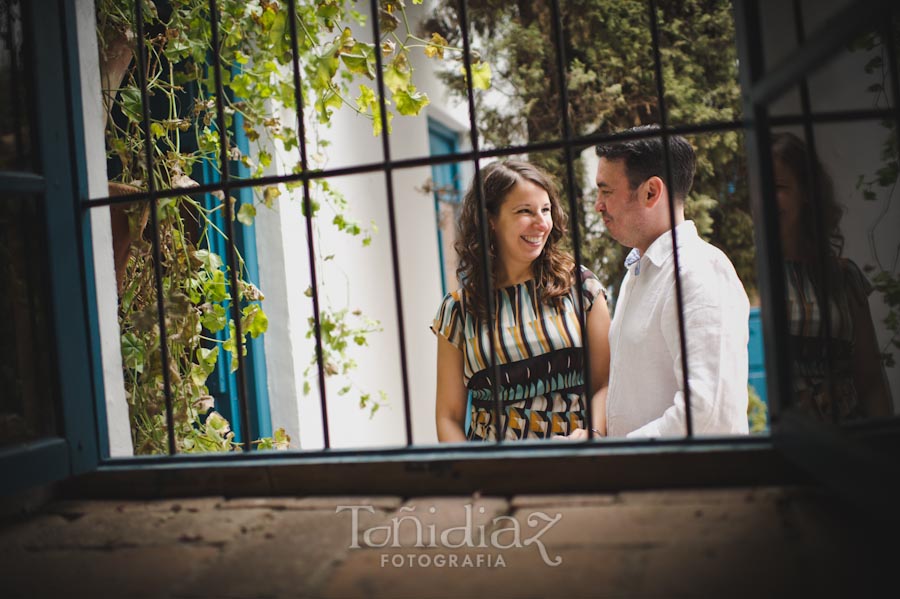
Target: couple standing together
x=637 y=381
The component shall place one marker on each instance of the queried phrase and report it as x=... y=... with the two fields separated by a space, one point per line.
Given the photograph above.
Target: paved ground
x=759 y=542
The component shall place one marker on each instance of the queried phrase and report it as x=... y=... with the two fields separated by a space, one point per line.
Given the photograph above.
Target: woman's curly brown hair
x=792 y=152
x=553 y=270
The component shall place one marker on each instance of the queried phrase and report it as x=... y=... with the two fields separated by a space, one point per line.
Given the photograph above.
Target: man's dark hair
x=644 y=158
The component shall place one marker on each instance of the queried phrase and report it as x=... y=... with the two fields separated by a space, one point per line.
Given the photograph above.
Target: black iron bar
x=576 y=142
x=488 y=280
x=821 y=235
x=154 y=223
x=232 y=260
x=34 y=183
x=679 y=295
x=307 y=210
x=766 y=230
x=392 y=218
x=833 y=116
x=585 y=141
x=574 y=221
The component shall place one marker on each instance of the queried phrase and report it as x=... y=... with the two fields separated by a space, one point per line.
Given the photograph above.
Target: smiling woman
x=521 y=227
x=532 y=327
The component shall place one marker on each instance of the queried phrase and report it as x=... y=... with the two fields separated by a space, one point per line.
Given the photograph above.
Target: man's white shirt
x=646 y=388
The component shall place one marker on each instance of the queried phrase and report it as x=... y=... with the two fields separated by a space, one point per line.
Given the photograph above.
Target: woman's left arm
x=598 y=338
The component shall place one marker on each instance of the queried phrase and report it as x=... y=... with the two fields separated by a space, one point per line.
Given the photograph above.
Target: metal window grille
x=759 y=84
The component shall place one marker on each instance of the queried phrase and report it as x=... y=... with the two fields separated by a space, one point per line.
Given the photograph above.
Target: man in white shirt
x=645 y=397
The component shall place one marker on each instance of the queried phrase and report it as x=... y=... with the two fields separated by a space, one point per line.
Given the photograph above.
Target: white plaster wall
x=280 y=250
x=363 y=278
x=101 y=234
x=359 y=278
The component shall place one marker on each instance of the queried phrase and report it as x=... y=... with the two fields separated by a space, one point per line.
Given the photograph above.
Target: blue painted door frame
x=223 y=383
x=442 y=141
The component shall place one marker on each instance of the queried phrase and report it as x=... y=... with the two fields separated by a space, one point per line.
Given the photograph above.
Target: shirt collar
x=661 y=248
x=634 y=256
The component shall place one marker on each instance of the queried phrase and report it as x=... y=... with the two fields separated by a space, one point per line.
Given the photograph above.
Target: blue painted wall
x=757 y=355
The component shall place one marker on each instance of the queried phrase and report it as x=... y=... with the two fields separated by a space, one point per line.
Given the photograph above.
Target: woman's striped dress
x=539 y=353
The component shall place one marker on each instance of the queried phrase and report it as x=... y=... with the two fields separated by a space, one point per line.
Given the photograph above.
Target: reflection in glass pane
x=27 y=405
x=778 y=22
x=857 y=77
x=15 y=134
x=778 y=31
x=839 y=240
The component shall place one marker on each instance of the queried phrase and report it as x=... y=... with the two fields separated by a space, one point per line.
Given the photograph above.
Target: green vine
x=885 y=274
x=255 y=50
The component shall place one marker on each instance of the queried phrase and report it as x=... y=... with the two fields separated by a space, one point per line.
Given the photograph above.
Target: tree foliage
x=612 y=86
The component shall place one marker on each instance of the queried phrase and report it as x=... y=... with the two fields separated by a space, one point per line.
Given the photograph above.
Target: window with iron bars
x=765 y=107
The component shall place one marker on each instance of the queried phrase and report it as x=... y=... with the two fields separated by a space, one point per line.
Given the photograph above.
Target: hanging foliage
x=256 y=50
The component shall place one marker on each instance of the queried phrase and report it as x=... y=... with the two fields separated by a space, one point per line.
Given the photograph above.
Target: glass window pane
x=838 y=229
x=27 y=403
x=834 y=191
x=15 y=119
x=857 y=77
